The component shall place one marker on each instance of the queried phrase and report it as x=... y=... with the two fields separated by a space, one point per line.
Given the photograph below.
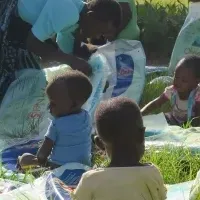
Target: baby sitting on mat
x=184 y=94
x=68 y=138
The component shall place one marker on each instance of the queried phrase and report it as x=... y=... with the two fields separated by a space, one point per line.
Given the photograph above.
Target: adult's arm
x=50 y=53
x=54 y=18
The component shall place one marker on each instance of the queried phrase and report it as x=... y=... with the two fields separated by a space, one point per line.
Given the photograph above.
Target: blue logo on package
x=10 y=154
x=125 y=70
x=72 y=177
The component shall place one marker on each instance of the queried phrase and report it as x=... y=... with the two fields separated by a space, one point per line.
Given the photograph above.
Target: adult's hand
x=85 y=51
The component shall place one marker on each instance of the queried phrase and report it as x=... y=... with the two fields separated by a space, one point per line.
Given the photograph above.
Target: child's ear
x=99 y=143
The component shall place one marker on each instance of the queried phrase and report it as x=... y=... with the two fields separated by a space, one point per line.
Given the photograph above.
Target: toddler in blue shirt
x=68 y=138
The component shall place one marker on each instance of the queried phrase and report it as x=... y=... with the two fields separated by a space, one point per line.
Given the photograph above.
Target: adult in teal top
x=51 y=30
x=50 y=18
x=67 y=20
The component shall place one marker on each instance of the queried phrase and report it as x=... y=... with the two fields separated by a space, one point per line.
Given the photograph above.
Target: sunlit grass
x=165 y=2
x=176 y=164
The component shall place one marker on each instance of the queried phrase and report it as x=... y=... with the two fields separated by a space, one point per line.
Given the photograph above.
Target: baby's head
x=120 y=128
x=68 y=92
x=187 y=74
x=103 y=18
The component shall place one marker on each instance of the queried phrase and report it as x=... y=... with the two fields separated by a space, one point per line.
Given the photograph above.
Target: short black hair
x=76 y=83
x=193 y=63
x=117 y=118
x=107 y=10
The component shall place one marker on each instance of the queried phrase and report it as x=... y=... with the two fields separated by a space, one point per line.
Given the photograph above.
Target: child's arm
x=49 y=53
x=47 y=146
x=46 y=26
x=44 y=151
x=153 y=105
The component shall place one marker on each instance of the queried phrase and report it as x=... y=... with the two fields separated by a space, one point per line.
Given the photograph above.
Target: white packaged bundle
x=188 y=40
x=127 y=62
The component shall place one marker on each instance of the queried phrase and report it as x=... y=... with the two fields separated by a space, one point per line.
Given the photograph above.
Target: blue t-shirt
x=72 y=139
x=51 y=17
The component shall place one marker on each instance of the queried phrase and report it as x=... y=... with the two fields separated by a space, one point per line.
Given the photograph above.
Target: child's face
x=59 y=103
x=184 y=80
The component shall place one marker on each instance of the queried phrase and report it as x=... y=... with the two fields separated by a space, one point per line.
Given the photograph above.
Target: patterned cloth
x=13 y=53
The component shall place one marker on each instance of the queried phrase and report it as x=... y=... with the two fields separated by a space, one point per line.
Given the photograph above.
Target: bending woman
x=29 y=28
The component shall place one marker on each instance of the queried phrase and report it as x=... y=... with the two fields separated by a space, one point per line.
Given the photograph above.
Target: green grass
x=152 y=90
x=165 y=2
x=176 y=164
x=9 y=175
